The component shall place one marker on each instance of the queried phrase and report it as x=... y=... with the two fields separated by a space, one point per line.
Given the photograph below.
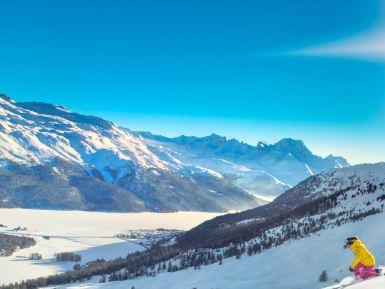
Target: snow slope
x=28 y=136
x=376 y=283
x=294 y=265
x=91 y=234
x=371 y=284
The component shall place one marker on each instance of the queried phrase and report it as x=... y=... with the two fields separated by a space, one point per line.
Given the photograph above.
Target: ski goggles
x=349 y=241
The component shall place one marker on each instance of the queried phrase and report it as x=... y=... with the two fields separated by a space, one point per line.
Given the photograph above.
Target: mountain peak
x=216 y=137
x=60 y=111
x=294 y=147
x=6 y=98
x=262 y=144
x=290 y=142
x=44 y=107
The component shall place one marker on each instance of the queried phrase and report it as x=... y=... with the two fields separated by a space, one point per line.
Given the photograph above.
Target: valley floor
x=91 y=234
x=294 y=265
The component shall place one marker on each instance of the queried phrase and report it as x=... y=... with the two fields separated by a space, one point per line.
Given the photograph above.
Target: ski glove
x=351 y=269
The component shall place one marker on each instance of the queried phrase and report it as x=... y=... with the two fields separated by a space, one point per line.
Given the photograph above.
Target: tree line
x=11 y=243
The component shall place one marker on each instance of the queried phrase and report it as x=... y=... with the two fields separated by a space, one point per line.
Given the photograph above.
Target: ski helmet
x=350 y=240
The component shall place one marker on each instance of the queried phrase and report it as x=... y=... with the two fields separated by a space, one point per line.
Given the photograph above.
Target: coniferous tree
x=324 y=276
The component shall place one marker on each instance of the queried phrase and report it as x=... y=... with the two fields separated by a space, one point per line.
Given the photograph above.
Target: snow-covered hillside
x=265 y=170
x=96 y=165
x=38 y=132
x=332 y=181
x=350 y=191
x=277 y=246
x=296 y=264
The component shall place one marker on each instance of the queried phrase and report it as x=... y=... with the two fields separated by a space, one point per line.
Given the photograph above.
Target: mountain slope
x=351 y=191
x=291 y=248
x=264 y=170
x=296 y=264
x=288 y=249
x=50 y=153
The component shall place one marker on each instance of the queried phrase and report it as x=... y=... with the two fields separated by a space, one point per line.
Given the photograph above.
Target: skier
x=363 y=264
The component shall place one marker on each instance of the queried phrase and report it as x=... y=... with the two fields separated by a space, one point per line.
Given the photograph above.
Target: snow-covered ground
x=377 y=283
x=91 y=234
x=351 y=283
x=294 y=265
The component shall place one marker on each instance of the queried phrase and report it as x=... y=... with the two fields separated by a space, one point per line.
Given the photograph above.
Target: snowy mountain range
x=53 y=158
x=265 y=170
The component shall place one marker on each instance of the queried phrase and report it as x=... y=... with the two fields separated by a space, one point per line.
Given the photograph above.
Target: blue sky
x=253 y=70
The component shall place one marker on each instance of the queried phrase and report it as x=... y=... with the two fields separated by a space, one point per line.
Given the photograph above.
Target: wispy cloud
x=368 y=45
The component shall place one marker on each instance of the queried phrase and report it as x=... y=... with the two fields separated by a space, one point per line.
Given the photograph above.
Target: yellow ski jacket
x=361 y=254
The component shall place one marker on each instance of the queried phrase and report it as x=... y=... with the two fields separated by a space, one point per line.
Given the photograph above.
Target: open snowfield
x=91 y=234
x=294 y=265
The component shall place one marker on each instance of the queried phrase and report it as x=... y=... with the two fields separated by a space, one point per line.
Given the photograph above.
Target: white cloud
x=369 y=45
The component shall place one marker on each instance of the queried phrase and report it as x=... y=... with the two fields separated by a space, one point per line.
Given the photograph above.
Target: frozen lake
x=91 y=234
